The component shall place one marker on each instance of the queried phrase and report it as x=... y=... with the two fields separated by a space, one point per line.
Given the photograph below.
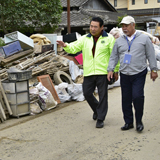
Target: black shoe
x=99 y=124
x=139 y=127
x=95 y=116
x=127 y=127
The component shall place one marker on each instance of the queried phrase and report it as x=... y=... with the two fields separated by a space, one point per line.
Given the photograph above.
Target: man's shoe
x=95 y=116
x=99 y=124
x=139 y=127
x=127 y=127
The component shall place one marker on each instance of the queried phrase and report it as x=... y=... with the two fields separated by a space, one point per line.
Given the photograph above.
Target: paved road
x=69 y=133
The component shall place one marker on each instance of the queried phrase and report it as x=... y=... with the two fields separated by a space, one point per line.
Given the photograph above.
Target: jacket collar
x=104 y=34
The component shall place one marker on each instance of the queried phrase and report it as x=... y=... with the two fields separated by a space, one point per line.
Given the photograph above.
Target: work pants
x=132 y=88
x=89 y=84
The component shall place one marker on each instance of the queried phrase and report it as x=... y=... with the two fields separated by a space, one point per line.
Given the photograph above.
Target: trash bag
x=74 y=70
x=46 y=99
x=35 y=108
x=76 y=92
x=62 y=93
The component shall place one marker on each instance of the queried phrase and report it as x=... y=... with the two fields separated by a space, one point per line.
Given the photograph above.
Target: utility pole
x=68 y=17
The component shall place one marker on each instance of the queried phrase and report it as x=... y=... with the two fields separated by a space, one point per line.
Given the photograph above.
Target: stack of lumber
x=45 y=63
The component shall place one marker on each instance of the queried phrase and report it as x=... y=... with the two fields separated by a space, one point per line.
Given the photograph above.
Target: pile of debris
x=33 y=55
x=36 y=75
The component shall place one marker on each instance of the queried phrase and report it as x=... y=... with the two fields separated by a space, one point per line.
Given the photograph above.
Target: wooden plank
x=47 y=82
x=5 y=99
x=2 y=114
x=15 y=57
x=1 y=100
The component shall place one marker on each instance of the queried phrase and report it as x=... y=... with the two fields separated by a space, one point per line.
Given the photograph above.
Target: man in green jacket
x=96 y=49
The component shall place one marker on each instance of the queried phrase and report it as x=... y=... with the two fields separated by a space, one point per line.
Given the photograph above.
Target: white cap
x=127 y=20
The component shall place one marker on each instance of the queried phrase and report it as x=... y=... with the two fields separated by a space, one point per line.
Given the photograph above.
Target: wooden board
x=2 y=114
x=5 y=99
x=47 y=82
x=15 y=57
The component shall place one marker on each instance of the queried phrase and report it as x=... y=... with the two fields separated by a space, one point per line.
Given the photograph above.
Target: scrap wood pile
x=41 y=63
x=45 y=63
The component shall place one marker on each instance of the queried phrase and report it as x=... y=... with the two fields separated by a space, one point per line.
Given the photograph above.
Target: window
x=115 y=3
x=158 y=1
x=133 y=2
x=145 y=1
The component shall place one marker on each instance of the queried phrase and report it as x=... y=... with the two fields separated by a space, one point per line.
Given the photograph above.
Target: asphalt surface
x=68 y=132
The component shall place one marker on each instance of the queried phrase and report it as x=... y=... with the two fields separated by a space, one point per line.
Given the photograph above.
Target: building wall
x=120 y=3
x=139 y=4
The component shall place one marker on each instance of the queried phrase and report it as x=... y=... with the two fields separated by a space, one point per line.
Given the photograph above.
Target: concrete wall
x=120 y=3
x=139 y=4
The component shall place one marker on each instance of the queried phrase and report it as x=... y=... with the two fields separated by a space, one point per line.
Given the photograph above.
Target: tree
x=119 y=20
x=28 y=15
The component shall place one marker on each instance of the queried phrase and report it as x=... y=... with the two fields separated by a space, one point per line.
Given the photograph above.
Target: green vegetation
x=119 y=20
x=26 y=15
x=2 y=42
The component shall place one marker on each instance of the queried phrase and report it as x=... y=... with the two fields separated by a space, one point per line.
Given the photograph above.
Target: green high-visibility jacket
x=98 y=64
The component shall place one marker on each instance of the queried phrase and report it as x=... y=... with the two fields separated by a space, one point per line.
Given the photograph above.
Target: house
x=145 y=12
x=81 y=12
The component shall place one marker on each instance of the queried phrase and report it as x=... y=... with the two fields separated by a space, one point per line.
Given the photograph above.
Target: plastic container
x=20 y=110
x=13 y=87
x=18 y=96
x=19 y=76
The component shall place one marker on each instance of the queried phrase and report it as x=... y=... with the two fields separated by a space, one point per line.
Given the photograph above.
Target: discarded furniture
x=17 y=93
x=25 y=42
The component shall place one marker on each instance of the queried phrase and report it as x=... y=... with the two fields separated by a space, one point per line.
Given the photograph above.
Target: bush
x=2 y=43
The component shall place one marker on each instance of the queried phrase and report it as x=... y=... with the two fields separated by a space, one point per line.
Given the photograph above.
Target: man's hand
x=116 y=76
x=154 y=75
x=110 y=75
x=61 y=43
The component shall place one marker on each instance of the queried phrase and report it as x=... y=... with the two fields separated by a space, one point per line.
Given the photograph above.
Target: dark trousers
x=89 y=84
x=132 y=88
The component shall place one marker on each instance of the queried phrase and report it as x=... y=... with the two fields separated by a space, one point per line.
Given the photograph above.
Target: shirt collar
x=104 y=34
x=130 y=38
